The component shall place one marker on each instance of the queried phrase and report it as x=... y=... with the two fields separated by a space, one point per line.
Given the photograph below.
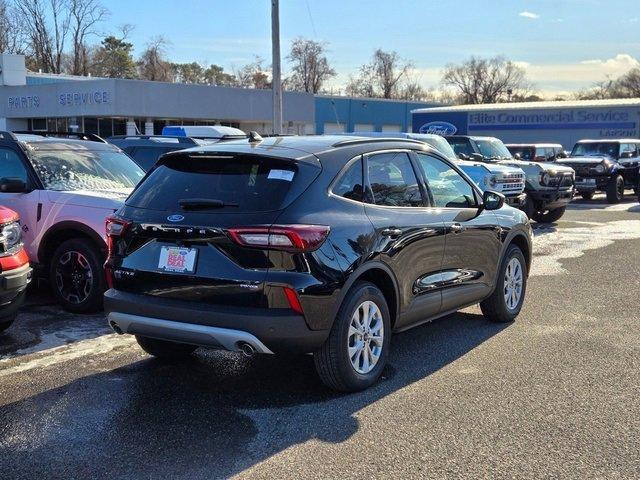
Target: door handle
x=391 y=232
x=457 y=228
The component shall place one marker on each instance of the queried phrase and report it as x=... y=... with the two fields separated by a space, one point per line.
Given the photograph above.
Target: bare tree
x=12 y=34
x=625 y=86
x=85 y=15
x=153 y=65
x=253 y=75
x=481 y=80
x=382 y=77
x=47 y=26
x=310 y=66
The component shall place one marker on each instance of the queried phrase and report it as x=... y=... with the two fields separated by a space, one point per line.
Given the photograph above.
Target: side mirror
x=492 y=200
x=517 y=156
x=462 y=156
x=627 y=155
x=477 y=157
x=12 y=185
x=561 y=155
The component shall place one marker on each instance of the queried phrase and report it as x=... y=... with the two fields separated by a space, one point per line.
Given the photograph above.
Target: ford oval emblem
x=175 y=218
x=439 y=128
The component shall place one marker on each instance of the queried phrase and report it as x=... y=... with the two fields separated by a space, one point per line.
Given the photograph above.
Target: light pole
x=275 y=67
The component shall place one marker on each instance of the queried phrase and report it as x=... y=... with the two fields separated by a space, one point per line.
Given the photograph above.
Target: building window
x=91 y=125
x=36 y=124
x=119 y=126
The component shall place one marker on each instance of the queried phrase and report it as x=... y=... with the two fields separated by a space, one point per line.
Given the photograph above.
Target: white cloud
x=532 y=16
x=565 y=77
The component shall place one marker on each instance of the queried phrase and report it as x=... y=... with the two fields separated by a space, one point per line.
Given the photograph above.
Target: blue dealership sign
x=438 y=128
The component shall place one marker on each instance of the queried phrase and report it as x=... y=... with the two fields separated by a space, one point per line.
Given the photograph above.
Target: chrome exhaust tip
x=247 y=349
x=116 y=328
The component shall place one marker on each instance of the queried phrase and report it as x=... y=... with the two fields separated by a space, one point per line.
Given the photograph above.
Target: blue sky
x=564 y=45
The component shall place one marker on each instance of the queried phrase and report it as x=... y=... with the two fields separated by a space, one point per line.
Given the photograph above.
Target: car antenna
x=255 y=137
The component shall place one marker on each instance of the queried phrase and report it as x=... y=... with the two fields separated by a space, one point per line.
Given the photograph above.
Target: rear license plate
x=178 y=259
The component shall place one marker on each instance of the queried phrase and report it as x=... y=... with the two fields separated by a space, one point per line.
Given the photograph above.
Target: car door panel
x=410 y=240
x=26 y=204
x=472 y=237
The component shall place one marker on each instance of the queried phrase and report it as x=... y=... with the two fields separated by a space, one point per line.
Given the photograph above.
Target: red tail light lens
x=294 y=301
x=293 y=238
x=115 y=227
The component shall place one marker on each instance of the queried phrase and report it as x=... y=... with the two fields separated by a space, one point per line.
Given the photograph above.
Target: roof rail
x=357 y=141
x=77 y=135
x=7 y=136
x=179 y=138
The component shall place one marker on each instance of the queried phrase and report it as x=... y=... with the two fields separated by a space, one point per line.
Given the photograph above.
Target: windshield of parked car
x=81 y=169
x=492 y=148
x=595 y=149
x=440 y=144
x=526 y=153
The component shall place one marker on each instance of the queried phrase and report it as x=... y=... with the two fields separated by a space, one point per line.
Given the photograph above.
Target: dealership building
x=563 y=122
x=108 y=106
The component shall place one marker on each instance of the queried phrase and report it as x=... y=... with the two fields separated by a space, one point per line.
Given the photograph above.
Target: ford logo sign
x=439 y=128
x=175 y=218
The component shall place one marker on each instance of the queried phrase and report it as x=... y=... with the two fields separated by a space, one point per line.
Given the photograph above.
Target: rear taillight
x=115 y=227
x=294 y=301
x=292 y=238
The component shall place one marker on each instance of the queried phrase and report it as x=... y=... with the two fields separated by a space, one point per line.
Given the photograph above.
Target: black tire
x=587 y=195
x=332 y=360
x=615 y=189
x=551 y=216
x=164 y=349
x=76 y=276
x=495 y=307
x=5 y=322
x=529 y=208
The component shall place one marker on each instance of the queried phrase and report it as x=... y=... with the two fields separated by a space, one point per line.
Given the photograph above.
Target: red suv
x=15 y=272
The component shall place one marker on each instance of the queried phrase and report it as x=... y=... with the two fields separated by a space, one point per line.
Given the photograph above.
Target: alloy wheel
x=74 y=277
x=513 y=283
x=366 y=337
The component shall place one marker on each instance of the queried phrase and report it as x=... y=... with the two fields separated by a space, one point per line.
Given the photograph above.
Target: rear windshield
x=240 y=183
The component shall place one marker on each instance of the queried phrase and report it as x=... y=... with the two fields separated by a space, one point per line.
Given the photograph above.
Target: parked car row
x=319 y=244
x=322 y=245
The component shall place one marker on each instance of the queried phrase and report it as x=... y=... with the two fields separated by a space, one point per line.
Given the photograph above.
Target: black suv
x=146 y=149
x=605 y=165
x=319 y=244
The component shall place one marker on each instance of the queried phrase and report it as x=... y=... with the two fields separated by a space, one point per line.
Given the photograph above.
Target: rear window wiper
x=203 y=203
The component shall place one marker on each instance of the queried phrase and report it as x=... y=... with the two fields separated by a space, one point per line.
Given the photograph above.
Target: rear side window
x=392 y=180
x=349 y=184
x=240 y=183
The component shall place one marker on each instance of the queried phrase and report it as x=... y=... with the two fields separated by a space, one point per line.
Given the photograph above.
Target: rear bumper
x=267 y=330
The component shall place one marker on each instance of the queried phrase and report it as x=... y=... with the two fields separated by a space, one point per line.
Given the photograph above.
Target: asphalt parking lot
x=553 y=395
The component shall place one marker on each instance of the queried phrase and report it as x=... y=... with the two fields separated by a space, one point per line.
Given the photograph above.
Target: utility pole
x=275 y=67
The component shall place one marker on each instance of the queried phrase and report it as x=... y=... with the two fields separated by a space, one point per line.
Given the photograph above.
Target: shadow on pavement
x=210 y=417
